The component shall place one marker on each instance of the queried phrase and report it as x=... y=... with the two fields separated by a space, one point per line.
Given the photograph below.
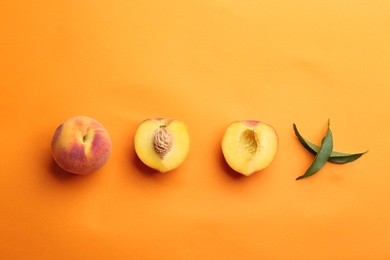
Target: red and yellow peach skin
x=81 y=145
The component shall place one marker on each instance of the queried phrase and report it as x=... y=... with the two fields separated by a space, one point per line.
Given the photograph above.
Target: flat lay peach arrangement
x=81 y=145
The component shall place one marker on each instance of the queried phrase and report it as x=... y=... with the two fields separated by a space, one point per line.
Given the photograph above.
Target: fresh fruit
x=81 y=145
x=162 y=143
x=249 y=146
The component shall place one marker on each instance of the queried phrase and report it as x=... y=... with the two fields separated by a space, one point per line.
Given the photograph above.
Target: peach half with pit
x=81 y=145
x=162 y=143
x=249 y=146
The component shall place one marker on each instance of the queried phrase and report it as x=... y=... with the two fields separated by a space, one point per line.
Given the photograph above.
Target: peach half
x=162 y=143
x=81 y=145
x=249 y=146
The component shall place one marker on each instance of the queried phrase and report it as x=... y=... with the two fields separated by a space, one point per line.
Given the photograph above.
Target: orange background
x=207 y=62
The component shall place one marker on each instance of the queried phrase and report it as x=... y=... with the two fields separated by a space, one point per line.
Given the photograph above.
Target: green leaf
x=335 y=157
x=322 y=156
x=341 y=158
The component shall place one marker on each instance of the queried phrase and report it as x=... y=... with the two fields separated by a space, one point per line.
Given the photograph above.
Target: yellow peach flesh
x=145 y=148
x=249 y=148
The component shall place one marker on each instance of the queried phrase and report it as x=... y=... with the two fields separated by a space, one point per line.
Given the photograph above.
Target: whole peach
x=81 y=145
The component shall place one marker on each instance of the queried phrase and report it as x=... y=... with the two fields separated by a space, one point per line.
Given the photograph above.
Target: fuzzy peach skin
x=81 y=145
x=249 y=146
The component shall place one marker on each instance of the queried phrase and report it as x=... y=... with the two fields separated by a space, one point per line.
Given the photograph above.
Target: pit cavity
x=248 y=141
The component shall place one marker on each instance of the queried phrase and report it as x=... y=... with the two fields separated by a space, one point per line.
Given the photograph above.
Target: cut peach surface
x=162 y=144
x=249 y=146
